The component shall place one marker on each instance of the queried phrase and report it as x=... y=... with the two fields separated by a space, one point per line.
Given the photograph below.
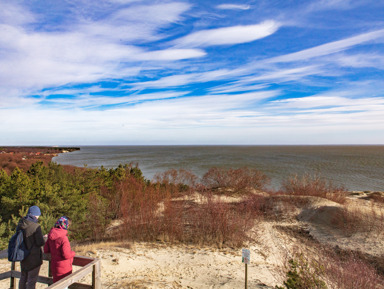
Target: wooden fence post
x=49 y=269
x=96 y=282
x=13 y=279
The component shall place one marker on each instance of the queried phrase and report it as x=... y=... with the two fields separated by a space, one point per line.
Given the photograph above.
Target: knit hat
x=62 y=223
x=34 y=211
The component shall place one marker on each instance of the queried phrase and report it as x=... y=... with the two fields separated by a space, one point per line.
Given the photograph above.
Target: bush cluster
x=314 y=185
x=93 y=198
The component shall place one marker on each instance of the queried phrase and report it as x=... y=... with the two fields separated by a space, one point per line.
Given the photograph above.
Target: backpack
x=17 y=251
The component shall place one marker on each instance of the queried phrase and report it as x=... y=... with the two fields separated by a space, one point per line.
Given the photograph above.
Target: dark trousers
x=28 y=279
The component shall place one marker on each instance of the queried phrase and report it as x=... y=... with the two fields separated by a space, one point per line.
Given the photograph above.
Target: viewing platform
x=88 y=266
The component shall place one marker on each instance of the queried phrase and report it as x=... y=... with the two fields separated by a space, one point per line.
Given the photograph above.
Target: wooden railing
x=89 y=265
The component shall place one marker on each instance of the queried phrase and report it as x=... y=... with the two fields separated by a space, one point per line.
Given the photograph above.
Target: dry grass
x=356 y=218
x=315 y=185
x=85 y=249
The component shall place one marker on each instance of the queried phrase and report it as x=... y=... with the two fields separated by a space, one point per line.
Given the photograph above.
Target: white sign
x=246 y=256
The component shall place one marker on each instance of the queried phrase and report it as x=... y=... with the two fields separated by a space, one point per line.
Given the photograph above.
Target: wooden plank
x=40 y=279
x=80 y=286
x=75 y=276
x=90 y=265
x=15 y=274
x=82 y=261
x=5 y=275
x=77 y=261
x=45 y=280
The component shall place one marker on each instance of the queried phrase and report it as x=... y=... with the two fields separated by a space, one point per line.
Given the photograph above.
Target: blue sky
x=129 y=72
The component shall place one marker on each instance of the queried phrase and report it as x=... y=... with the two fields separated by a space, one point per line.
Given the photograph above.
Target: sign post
x=246 y=258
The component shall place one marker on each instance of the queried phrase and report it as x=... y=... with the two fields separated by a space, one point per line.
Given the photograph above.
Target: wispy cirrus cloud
x=91 y=68
x=229 y=6
x=360 y=60
x=178 y=80
x=139 y=23
x=229 y=35
x=55 y=58
x=329 y=48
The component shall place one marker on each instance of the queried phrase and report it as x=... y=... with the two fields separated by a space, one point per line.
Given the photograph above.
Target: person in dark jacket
x=34 y=240
x=59 y=247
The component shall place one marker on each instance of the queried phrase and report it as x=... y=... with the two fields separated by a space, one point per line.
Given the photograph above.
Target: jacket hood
x=57 y=233
x=24 y=223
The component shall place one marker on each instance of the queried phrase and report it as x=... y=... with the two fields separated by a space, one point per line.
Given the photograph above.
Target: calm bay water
x=355 y=167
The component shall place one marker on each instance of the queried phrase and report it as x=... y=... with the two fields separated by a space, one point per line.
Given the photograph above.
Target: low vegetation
x=315 y=185
x=176 y=207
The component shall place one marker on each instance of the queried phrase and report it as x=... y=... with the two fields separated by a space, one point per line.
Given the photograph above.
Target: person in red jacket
x=59 y=247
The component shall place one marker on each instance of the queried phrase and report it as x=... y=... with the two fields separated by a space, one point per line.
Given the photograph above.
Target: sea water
x=357 y=168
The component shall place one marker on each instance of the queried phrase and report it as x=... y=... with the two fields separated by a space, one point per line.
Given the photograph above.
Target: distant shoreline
x=37 y=148
x=24 y=156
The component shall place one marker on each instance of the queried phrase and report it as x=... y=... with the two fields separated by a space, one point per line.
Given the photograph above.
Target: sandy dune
x=145 y=265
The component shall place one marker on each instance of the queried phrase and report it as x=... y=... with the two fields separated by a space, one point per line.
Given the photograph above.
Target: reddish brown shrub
x=348 y=271
x=218 y=223
x=324 y=267
x=138 y=209
x=177 y=181
x=240 y=180
x=150 y=214
x=314 y=186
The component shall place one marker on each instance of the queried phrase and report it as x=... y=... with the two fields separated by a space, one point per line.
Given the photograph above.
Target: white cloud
x=329 y=48
x=319 y=5
x=360 y=60
x=87 y=52
x=168 y=81
x=96 y=102
x=233 y=7
x=237 y=118
x=331 y=103
x=132 y=43
x=138 y=22
x=229 y=35
x=238 y=88
x=283 y=75
x=14 y=14
x=171 y=54
x=185 y=79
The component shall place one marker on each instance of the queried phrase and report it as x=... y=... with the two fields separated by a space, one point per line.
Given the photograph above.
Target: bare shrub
x=347 y=271
x=172 y=221
x=274 y=206
x=177 y=180
x=324 y=267
x=350 y=220
x=314 y=186
x=138 y=209
x=237 y=180
x=218 y=223
x=150 y=214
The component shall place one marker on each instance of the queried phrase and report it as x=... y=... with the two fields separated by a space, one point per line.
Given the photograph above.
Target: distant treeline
x=24 y=157
x=35 y=149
